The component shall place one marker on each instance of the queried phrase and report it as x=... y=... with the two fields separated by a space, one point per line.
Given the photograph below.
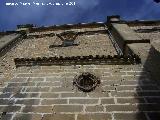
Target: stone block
x=6 y=117
x=5 y=95
x=107 y=101
x=37 y=89
x=12 y=89
x=49 y=95
x=59 y=117
x=123 y=94
x=21 y=84
x=124 y=108
x=54 y=84
x=63 y=89
x=130 y=116
x=53 y=101
x=26 y=95
x=6 y=102
x=37 y=109
x=95 y=116
x=83 y=101
x=67 y=108
x=130 y=100
x=98 y=94
x=21 y=116
x=10 y=108
x=127 y=88
x=19 y=80
x=35 y=79
x=28 y=101
x=70 y=95
x=96 y=108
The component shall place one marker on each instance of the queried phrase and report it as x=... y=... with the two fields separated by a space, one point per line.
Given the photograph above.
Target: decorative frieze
x=111 y=60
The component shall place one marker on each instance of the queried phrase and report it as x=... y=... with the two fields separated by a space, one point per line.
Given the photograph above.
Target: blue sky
x=83 y=11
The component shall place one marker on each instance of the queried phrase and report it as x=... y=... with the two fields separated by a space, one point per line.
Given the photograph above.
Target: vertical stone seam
x=22 y=107
x=84 y=109
x=110 y=95
x=59 y=95
x=112 y=115
x=104 y=108
x=13 y=116
x=50 y=89
x=40 y=102
x=68 y=101
x=115 y=100
x=147 y=116
x=39 y=95
x=76 y=115
x=42 y=115
x=23 y=89
x=99 y=101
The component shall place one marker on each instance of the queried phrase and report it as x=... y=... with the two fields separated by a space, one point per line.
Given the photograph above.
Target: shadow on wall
x=152 y=64
x=149 y=84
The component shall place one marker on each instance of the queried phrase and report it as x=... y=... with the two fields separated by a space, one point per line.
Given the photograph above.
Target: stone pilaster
x=123 y=34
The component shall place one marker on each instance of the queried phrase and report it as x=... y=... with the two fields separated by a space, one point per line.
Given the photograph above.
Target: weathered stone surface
x=37 y=89
x=54 y=84
x=54 y=101
x=59 y=117
x=28 y=101
x=27 y=117
x=131 y=116
x=49 y=95
x=125 y=32
x=83 y=101
x=97 y=116
x=26 y=95
x=110 y=108
x=35 y=79
x=6 y=117
x=108 y=88
x=98 y=94
x=63 y=89
x=71 y=95
x=124 y=94
x=36 y=75
x=127 y=88
x=130 y=100
x=96 y=108
x=6 y=102
x=10 y=108
x=6 y=40
x=141 y=107
x=19 y=80
x=21 y=84
x=107 y=101
x=12 y=89
x=5 y=95
x=38 y=109
x=137 y=47
x=67 y=108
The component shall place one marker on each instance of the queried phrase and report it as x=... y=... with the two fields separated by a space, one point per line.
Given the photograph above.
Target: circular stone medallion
x=86 y=82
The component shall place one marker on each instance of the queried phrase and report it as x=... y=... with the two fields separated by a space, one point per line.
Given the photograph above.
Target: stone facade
x=126 y=91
